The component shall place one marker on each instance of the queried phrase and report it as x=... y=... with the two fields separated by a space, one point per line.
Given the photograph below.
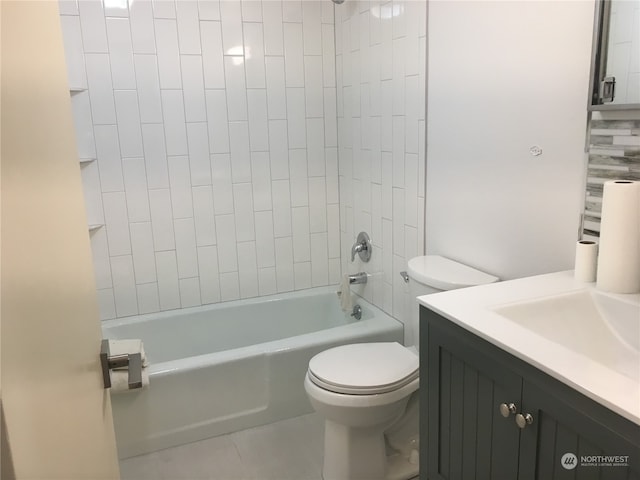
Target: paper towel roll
x=619 y=256
x=586 y=261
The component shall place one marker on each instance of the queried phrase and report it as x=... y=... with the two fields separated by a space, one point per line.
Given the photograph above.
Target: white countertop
x=470 y=308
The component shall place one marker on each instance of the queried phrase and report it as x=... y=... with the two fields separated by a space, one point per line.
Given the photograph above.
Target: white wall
x=505 y=76
x=214 y=128
x=380 y=66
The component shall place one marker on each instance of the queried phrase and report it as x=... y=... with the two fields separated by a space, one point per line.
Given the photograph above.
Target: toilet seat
x=364 y=368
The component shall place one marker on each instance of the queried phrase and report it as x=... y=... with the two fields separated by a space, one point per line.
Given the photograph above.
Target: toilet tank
x=433 y=273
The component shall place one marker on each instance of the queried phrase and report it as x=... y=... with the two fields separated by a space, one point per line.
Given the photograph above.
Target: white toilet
x=368 y=392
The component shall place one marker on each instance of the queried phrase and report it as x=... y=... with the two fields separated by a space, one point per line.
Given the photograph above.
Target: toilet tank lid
x=445 y=274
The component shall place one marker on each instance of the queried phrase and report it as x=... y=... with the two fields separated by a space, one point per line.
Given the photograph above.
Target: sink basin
x=602 y=327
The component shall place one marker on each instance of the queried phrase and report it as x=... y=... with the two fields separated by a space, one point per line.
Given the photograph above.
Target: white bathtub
x=222 y=368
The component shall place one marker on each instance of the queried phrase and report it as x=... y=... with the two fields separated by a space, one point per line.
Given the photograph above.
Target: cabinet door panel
x=468 y=438
x=458 y=418
x=485 y=403
x=505 y=440
x=444 y=429
x=559 y=428
x=565 y=441
x=470 y=400
x=585 y=447
x=553 y=436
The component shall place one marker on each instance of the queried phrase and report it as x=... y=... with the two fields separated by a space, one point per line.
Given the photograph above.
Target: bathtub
x=221 y=368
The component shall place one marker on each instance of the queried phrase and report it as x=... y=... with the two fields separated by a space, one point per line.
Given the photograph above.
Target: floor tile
x=286 y=450
x=214 y=458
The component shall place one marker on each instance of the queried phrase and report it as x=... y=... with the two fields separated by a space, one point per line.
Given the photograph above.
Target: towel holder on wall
x=132 y=361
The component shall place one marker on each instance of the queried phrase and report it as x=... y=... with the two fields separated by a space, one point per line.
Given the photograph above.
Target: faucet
x=358 y=278
x=362 y=247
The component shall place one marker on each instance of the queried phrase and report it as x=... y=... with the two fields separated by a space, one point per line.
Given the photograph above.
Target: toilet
x=368 y=392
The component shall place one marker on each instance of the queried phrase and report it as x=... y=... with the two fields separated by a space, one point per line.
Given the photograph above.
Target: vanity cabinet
x=473 y=394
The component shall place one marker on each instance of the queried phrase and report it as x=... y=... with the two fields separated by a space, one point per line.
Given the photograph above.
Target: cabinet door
x=560 y=428
x=468 y=438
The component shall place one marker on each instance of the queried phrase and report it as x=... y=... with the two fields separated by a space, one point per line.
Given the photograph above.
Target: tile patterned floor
x=287 y=450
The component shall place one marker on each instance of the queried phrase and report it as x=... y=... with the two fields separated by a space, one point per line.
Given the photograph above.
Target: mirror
x=615 y=61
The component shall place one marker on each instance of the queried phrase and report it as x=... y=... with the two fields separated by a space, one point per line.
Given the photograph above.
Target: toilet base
x=360 y=454
x=400 y=467
x=353 y=453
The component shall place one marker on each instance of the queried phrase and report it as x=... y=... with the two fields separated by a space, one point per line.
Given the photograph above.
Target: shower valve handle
x=362 y=247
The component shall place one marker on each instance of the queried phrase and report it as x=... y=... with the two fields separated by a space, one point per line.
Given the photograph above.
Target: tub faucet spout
x=358 y=278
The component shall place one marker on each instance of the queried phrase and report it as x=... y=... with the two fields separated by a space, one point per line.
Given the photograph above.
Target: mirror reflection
x=623 y=50
x=617 y=80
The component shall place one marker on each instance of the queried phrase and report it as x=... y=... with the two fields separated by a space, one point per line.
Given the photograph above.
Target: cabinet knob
x=524 y=420
x=507 y=409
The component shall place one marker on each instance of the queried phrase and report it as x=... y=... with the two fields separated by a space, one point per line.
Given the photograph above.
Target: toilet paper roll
x=586 y=261
x=619 y=255
x=120 y=381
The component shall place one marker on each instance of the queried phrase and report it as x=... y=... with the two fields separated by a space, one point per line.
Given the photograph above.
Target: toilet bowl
x=368 y=392
x=361 y=390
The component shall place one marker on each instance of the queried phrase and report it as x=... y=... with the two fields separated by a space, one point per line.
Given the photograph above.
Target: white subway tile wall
x=380 y=80
x=214 y=128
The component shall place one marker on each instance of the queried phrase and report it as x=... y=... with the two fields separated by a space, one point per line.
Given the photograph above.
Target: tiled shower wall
x=380 y=64
x=207 y=132
x=614 y=154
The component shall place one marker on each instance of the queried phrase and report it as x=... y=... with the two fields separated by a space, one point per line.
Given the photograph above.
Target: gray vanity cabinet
x=464 y=434
x=471 y=436
x=565 y=421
